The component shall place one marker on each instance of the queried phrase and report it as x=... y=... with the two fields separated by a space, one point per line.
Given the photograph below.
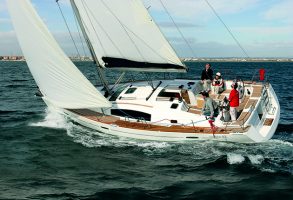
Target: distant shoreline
x=21 y=58
x=88 y=59
x=237 y=60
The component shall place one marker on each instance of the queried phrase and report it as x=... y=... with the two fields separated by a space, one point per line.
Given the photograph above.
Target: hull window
x=131 y=114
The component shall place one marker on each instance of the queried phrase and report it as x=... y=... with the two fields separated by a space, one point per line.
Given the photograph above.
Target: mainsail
x=57 y=77
x=121 y=34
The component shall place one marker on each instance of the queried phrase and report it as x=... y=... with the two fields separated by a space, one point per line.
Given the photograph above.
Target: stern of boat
x=264 y=121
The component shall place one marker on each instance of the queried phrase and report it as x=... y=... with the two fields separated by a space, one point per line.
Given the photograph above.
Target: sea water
x=44 y=156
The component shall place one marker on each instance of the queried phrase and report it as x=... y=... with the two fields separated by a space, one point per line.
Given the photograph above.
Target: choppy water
x=44 y=157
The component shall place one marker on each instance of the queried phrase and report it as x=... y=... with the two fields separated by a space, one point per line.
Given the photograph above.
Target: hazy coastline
x=86 y=58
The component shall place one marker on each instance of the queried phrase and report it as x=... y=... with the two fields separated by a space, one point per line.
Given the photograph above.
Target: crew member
x=234 y=101
x=207 y=77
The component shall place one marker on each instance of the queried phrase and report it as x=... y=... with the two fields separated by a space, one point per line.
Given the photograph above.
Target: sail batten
x=124 y=30
x=59 y=80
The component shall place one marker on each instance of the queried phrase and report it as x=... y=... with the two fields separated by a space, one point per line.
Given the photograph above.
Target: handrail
x=143 y=120
x=253 y=76
x=269 y=104
x=154 y=90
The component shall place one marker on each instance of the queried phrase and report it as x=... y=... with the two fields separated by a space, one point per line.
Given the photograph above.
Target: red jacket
x=234 y=98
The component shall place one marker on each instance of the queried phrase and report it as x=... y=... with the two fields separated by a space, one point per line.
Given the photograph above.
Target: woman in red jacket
x=234 y=101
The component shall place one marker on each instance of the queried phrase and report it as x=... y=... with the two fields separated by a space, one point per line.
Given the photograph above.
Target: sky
x=264 y=28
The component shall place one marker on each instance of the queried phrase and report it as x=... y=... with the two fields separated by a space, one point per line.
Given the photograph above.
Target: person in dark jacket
x=207 y=77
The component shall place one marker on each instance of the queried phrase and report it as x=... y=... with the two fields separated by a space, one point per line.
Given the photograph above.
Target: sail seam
x=122 y=25
x=94 y=56
x=103 y=31
x=78 y=29
x=125 y=27
x=67 y=27
x=93 y=27
x=178 y=29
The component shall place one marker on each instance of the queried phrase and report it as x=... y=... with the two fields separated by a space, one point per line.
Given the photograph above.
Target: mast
x=93 y=54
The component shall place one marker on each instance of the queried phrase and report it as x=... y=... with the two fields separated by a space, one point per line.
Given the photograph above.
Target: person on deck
x=218 y=84
x=207 y=77
x=234 y=101
x=209 y=108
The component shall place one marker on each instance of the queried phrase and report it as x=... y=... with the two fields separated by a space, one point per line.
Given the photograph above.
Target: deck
x=244 y=110
x=112 y=120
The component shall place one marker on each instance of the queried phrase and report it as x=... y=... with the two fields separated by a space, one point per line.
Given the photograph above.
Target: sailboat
x=121 y=35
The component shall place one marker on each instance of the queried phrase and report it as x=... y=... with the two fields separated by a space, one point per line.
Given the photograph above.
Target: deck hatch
x=130 y=90
x=116 y=94
x=174 y=105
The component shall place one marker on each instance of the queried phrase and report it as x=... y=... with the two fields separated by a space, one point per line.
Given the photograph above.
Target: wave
x=91 y=138
x=270 y=157
x=235 y=158
x=280 y=142
x=7 y=111
x=19 y=80
x=196 y=189
x=253 y=164
x=52 y=119
x=94 y=139
x=17 y=111
x=256 y=159
x=288 y=128
x=14 y=86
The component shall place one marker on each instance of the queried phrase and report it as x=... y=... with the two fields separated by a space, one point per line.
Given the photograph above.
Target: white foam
x=268 y=170
x=286 y=143
x=52 y=119
x=157 y=145
x=256 y=159
x=235 y=158
x=94 y=139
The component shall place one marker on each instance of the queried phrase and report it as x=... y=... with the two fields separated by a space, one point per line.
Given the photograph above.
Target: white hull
x=155 y=135
x=253 y=130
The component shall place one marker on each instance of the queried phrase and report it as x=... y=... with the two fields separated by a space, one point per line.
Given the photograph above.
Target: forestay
x=57 y=77
x=123 y=35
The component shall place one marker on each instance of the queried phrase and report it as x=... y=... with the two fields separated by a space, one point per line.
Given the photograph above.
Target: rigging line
x=57 y=1
x=124 y=30
x=178 y=29
x=149 y=80
x=227 y=28
x=118 y=81
x=104 y=32
x=78 y=29
x=153 y=50
x=93 y=27
x=82 y=27
x=174 y=56
x=96 y=61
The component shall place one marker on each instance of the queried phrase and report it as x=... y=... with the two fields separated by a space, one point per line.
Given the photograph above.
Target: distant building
x=12 y=58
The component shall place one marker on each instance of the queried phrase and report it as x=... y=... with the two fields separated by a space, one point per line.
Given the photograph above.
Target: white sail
x=57 y=77
x=123 y=35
